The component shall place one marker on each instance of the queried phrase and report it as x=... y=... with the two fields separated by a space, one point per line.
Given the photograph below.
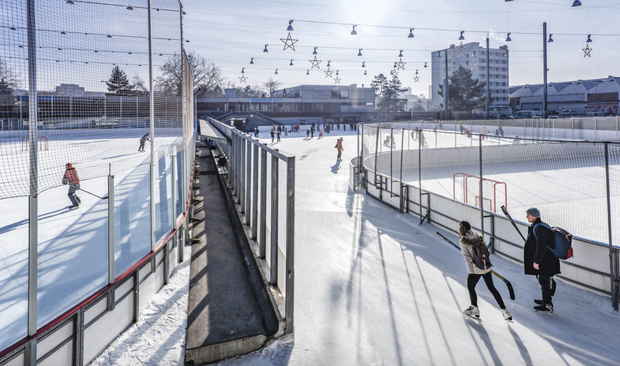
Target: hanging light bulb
x=410 y=33
x=353 y=32
x=438 y=54
x=291 y=64
x=425 y=65
x=328 y=63
x=290 y=25
x=461 y=38
x=13 y=28
x=589 y=39
x=63 y=32
x=252 y=61
x=129 y=7
x=266 y=50
x=576 y=3
x=307 y=72
x=359 y=53
x=70 y=2
x=416 y=72
x=400 y=54
x=364 y=64
x=508 y=37
x=395 y=64
x=550 y=39
x=243 y=70
x=365 y=72
x=276 y=71
x=337 y=72
x=314 y=53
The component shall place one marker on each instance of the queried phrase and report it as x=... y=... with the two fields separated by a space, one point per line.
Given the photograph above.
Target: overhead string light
x=354 y=32
x=400 y=54
x=290 y=26
x=410 y=33
x=365 y=72
x=508 y=39
x=576 y=3
x=252 y=61
x=359 y=53
x=550 y=39
x=462 y=38
x=291 y=64
x=364 y=64
x=314 y=52
x=307 y=72
x=276 y=71
x=328 y=63
x=425 y=64
x=266 y=50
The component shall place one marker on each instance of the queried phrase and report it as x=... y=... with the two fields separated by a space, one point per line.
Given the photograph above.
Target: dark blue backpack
x=562 y=239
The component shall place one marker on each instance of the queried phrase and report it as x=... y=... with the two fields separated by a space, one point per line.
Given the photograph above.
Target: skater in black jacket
x=539 y=260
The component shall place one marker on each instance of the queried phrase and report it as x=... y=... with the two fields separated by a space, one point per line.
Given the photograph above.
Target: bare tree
x=272 y=85
x=9 y=80
x=204 y=73
x=141 y=88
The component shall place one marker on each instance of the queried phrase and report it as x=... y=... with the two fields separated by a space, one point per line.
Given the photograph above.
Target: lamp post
x=105 y=102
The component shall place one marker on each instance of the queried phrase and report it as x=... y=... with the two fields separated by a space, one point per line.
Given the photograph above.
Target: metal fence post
x=111 y=235
x=242 y=176
x=151 y=124
x=480 y=184
x=290 y=244
x=273 y=278
x=248 y=180
x=255 y=192
x=263 y=205
x=572 y=129
x=612 y=272
x=378 y=132
x=391 y=162
x=420 y=172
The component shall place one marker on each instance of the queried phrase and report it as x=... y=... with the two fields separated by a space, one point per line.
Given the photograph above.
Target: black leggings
x=473 y=279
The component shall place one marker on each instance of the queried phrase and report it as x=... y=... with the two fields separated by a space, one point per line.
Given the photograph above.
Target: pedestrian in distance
x=279 y=133
x=308 y=133
x=256 y=132
x=273 y=135
x=344 y=127
x=143 y=140
x=340 y=148
x=71 y=178
x=539 y=260
x=468 y=241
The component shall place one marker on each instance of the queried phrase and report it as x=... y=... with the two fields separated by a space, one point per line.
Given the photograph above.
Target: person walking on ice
x=143 y=140
x=71 y=178
x=539 y=261
x=340 y=148
x=478 y=266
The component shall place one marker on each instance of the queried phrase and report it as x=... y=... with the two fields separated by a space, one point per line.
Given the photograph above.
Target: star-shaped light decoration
x=328 y=73
x=315 y=63
x=243 y=78
x=400 y=64
x=587 y=50
x=337 y=80
x=416 y=79
x=394 y=73
x=289 y=42
x=473 y=64
x=461 y=50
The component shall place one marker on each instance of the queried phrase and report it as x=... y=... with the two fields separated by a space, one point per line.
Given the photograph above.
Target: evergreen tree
x=119 y=83
x=9 y=80
x=464 y=92
x=388 y=93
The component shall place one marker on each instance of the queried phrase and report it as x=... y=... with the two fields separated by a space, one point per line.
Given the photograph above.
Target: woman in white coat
x=468 y=240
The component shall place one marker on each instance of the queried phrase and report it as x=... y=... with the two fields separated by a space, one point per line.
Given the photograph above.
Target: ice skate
x=507 y=316
x=544 y=308
x=472 y=312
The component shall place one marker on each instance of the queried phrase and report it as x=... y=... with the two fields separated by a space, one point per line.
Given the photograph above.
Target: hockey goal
x=44 y=143
x=466 y=188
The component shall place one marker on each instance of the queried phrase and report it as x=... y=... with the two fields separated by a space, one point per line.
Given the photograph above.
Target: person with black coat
x=539 y=260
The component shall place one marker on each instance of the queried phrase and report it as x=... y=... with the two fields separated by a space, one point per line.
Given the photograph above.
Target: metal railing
x=381 y=169
x=260 y=197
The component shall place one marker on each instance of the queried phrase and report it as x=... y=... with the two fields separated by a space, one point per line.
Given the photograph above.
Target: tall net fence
x=74 y=88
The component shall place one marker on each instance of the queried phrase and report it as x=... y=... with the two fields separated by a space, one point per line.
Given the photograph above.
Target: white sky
x=231 y=32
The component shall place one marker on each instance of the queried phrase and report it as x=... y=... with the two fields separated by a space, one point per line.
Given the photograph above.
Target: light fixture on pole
x=410 y=33
x=353 y=32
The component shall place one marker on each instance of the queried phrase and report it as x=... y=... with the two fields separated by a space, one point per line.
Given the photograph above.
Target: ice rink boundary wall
x=592 y=271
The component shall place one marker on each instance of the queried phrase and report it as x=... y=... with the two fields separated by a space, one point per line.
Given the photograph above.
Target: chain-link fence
x=96 y=152
x=572 y=183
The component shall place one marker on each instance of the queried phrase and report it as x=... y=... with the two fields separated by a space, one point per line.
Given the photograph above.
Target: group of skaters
x=538 y=260
x=276 y=132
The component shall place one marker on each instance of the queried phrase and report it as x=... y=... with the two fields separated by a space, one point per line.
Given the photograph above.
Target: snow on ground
x=158 y=338
x=375 y=288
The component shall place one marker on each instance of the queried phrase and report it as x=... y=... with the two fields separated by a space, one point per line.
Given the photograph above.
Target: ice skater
x=71 y=178
x=539 y=261
x=143 y=140
x=340 y=148
x=468 y=241
x=320 y=133
x=279 y=134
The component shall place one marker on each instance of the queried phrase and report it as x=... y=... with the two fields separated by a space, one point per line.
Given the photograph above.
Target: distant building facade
x=474 y=58
x=569 y=97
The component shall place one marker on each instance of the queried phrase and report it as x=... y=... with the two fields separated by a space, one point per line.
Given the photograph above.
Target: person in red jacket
x=71 y=178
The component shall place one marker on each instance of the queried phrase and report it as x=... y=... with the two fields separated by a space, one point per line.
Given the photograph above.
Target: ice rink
x=72 y=251
x=375 y=288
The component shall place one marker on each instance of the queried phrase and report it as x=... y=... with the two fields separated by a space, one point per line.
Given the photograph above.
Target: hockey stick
x=511 y=291
x=92 y=194
x=512 y=221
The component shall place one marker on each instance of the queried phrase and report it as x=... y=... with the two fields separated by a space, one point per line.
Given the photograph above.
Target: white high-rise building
x=474 y=58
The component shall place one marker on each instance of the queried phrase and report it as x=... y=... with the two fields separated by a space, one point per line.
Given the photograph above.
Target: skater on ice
x=143 y=140
x=340 y=148
x=477 y=266
x=539 y=260
x=71 y=178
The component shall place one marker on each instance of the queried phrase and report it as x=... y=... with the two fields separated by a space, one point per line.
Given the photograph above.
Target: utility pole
x=544 y=111
x=488 y=78
x=445 y=89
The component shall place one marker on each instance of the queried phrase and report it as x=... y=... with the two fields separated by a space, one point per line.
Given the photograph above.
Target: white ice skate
x=507 y=316
x=472 y=311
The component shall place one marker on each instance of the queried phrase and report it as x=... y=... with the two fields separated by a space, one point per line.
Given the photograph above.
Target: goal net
x=466 y=188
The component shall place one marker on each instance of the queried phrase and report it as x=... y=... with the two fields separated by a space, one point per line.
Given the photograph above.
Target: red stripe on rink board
x=120 y=278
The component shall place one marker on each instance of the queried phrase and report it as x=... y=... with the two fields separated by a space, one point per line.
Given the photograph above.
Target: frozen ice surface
x=375 y=288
